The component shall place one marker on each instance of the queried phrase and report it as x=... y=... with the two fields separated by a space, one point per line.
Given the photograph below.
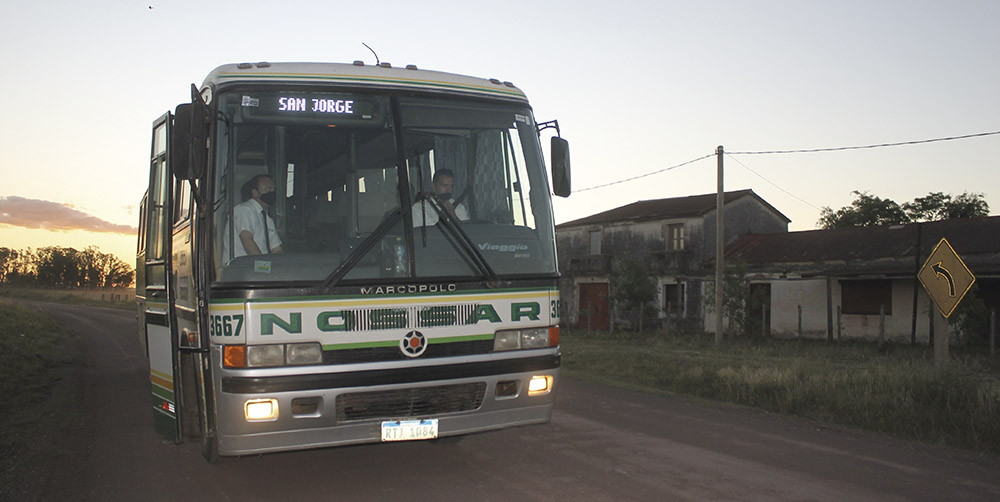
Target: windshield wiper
x=363 y=249
x=451 y=224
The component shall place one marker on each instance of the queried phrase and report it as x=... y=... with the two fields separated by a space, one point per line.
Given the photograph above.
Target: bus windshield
x=312 y=186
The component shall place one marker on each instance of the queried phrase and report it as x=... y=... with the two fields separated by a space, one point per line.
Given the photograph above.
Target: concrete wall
x=811 y=294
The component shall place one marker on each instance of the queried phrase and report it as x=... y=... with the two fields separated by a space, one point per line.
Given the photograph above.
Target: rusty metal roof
x=676 y=207
x=890 y=249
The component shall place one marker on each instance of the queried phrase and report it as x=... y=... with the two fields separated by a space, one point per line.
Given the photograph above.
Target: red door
x=593 y=308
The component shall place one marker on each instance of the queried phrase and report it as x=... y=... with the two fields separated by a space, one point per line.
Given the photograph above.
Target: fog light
x=260 y=410
x=540 y=385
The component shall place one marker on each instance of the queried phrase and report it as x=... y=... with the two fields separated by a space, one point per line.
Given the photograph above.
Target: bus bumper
x=343 y=408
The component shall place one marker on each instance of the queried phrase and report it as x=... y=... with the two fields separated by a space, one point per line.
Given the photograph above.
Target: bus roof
x=382 y=75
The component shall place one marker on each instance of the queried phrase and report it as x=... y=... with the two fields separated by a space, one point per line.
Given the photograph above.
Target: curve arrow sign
x=940 y=271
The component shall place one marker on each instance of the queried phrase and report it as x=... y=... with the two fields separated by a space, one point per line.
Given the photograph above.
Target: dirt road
x=603 y=444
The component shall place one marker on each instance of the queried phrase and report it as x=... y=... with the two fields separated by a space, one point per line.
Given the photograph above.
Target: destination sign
x=336 y=106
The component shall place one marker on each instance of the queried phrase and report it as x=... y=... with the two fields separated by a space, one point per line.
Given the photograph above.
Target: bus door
x=159 y=321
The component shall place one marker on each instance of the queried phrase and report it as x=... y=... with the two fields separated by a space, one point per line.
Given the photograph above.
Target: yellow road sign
x=945 y=277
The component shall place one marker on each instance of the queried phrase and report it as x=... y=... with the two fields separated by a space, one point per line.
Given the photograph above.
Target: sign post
x=947 y=280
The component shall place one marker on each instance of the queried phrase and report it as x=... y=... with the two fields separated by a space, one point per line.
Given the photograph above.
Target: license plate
x=410 y=430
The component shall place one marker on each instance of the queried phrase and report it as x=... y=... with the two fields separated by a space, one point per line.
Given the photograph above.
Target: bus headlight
x=264 y=356
x=507 y=340
x=529 y=338
x=259 y=356
x=303 y=353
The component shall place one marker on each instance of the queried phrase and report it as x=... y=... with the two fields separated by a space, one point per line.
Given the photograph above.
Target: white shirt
x=247 y=216
x=432 y=215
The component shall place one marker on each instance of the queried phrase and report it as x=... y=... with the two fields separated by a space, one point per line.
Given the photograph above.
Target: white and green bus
x=335 y=254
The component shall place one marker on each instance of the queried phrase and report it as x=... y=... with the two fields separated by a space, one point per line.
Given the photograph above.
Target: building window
x=675 y=237
x=865 y=297
x=673 y=298
x=595 y=242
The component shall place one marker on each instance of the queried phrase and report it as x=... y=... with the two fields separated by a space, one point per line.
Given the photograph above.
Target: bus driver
x=443 y=183
x=253 y=228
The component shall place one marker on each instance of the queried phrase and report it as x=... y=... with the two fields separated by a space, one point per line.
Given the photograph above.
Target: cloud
x=46 y=215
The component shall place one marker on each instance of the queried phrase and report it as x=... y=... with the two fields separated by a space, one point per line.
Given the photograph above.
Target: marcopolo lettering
x=409 y=289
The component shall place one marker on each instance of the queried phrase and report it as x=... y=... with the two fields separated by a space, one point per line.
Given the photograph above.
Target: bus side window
x=182 y=204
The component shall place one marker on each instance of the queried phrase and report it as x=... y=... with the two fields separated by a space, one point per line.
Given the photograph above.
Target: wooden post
x=881 y=325
x=930 y=326
x=840 y=323
x=763 y=321
x=800 y=322
x=940 y=344
x=720 y=202
x=916 y=287
x=829 y=309
x=993 y=329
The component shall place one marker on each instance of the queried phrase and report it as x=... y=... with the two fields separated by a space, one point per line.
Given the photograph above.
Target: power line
x=880 y=145
x=647 y=174
x=761 y=176
x=810 y=150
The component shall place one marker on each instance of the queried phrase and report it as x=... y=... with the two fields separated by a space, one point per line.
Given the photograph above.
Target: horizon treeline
x=61 y=267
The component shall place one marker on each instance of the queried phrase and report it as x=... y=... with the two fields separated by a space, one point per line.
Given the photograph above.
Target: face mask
x=445 y=196
x=269 y=198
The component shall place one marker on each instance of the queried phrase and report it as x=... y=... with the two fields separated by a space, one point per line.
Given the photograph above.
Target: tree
x=632 y=289
x=736 y=297
x=938 y=206
x=64 y=268
x=868 y=210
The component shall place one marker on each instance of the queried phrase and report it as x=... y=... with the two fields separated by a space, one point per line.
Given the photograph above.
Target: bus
x=334 y=254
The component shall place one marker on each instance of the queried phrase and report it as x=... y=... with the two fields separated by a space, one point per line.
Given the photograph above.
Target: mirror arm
x=552 y=124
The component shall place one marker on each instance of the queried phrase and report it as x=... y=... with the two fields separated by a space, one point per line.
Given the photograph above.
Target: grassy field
x=899 y=392
x=32 y=359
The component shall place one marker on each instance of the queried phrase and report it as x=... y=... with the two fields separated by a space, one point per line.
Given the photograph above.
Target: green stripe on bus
x=454 y=339
x=162 y=393
x=362 y=345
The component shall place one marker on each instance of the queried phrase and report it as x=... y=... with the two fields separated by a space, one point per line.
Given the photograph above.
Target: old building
x=855 y=282
x=674 y=236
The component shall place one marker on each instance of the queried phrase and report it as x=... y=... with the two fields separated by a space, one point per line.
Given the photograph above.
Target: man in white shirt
x=253 y=229
x=442 y=184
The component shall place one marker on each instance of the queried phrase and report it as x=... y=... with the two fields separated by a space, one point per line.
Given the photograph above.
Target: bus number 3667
x=226 y=325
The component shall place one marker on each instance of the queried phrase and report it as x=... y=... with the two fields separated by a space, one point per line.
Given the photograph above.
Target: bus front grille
x=380 y=354
x=406 y=403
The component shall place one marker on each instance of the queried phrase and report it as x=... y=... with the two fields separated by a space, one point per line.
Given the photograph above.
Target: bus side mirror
x=560 y=167
x=188 y=152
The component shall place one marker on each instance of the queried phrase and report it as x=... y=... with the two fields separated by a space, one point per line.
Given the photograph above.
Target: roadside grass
x=898 y=392
x=31 y=361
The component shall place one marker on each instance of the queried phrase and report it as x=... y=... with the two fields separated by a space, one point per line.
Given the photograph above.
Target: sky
x=639 y=88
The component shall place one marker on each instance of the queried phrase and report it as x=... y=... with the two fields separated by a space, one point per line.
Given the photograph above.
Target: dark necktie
x=267 y=238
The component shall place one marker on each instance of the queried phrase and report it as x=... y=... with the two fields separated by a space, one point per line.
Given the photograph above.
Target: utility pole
x=720 y=201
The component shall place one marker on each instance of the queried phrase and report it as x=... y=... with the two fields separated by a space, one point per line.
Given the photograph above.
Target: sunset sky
x=637 y=86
